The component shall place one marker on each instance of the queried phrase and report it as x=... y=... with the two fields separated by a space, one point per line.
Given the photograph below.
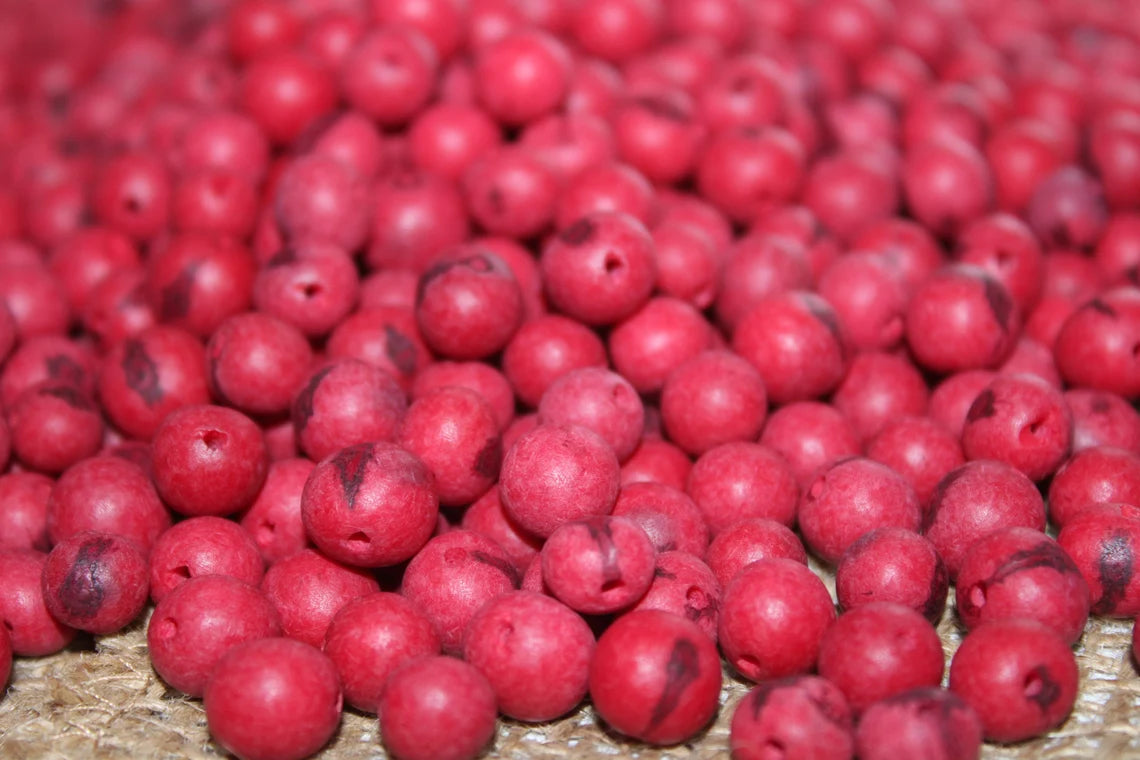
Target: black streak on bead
x=303 y=406
x=936 y=595
x=1114 y=569
x=286 y=255
x=434 y=271
x=176 y=296
x=82 y=592
x=71 y=396
x=578 y=232
x=1101 y=307
x=1001 y=305
x=63 y=368
x=141 y=372
x=400 y=350
x=681 y=671
x=490 y=457
x=982 y=408
x=351 y=464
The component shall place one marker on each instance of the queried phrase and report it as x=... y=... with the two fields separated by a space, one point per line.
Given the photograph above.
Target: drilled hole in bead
x=977 y=596
x=359 y=537
x=612 y=585
x=748 y=665
x=773 y=749
x=612 y=263
x=454 y=556
x=1034 y=685
x=310 y=289
x=167 y=628
x=213 y=439
x=182 y=571
x=1030 y=432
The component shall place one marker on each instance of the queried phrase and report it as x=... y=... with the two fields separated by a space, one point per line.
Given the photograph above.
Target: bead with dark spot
x=95 y=582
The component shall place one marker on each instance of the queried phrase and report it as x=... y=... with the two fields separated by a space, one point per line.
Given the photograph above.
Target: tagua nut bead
x=95 y=582
x=799 y=715
x=370 y=505
x=599 y=565
x=273 y=698
x=655 y=677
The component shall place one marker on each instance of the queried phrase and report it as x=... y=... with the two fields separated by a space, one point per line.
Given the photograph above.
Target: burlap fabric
x=102 y=700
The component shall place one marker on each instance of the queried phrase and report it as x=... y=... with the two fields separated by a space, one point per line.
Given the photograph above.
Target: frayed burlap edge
x=106 y=703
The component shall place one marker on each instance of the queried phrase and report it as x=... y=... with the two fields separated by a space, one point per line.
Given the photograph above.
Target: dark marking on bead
x=81 y=593
x=303 y=406
x=1100 y=405
x=351 y=465
x=939 y=494
x=826 y=317
x=490 y=457
x=214 y=359
x=604 y=538
x=70 y=395
x=286 y=255
x=141 y=372
x=176 y=296
x=760 y=694
x=1001 y=305
x=681 y=671
x=660 y=572
x=982 y=408
x=497 y=201
x=578 y=232
x=1101 y=307
x=65 y=369
x=433 y=272
x=478 y=262
x=827 y=710
x=400 y=350
x=500 y=564
x=662 y=107
x=1048 y=689
x=936 y=595
x=1114 y=569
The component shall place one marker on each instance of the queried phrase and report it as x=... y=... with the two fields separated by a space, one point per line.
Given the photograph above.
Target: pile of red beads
x=451 y=359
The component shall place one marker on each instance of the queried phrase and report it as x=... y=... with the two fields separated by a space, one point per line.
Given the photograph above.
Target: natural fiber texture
x=109 y=704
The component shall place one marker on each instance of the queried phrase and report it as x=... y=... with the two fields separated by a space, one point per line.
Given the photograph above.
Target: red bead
x=712 y=399
x=208 y=460
x=1021 y=573
x=1019 y=676
x=203 y=546
x=800 y=715
x=522 y=76
x=416 y=215
x=437 y=708
x=1097 y=474
x=741 y=480
x=386 y=337
x=616 y=30
x=880 y=388
x=1005 y=247
x=951 y=399
x=257 y=362
x=879 y=650
x=809 y=435
x=655 y=677
x=273 y=698
x=1094 y=346
x=1101 y=418
x=307 y=590
x=132 y=195
x=1067 y=209
x=23 y=511
x=1102 y=541
x=919 y=449
x=599 y=565
x=484 y=379
x=946 y=183
x=31 y=629
x=598 y=400
x=772 y=618
x=869 y=296
x=199 y=621
x=1022 y=421
x=923 y=721
x=372 y=636
x=796 y=343
x=286 y=93
x=544 y=349
x=95 y=582
x=658 y=134
x=145 y=378
x=961 y=318
x=346 y=402
x=688 y=263
x=370 y=505
x=83 y=260
x=851 y=498
x=468 y=304
x=746 y=171
x=662 y=335
x=976 y=499
x=896 y=565
x=274 y=520
x=447 y=138
x=534 y=651
x=600 y=269
x=539 y=466
x=110 y=495
x=53 y=425
x=318 y=199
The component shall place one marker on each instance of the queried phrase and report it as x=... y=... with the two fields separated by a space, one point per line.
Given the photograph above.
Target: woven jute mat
x=102 y=700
